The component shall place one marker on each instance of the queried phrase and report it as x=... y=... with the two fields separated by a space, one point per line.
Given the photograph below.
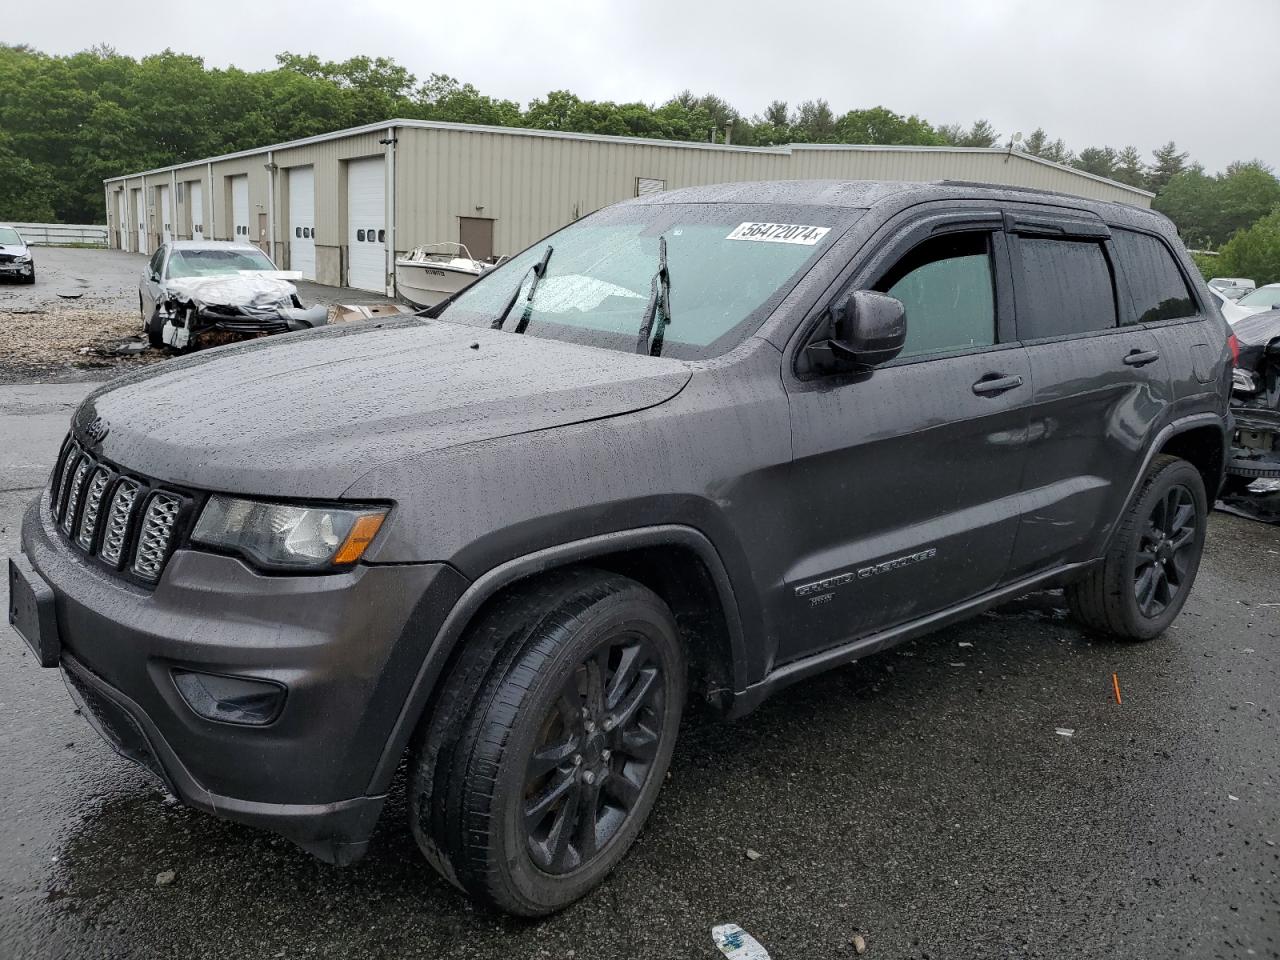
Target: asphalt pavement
x=929 y=799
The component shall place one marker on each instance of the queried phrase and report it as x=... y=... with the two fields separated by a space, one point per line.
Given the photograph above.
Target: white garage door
x=164 y=215
x=366 y=231
x=195 y=200
x=302 y=221
x=140 y=219
x=240 y=207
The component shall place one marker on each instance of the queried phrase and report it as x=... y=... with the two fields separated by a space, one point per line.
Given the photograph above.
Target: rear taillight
x=1234 y=344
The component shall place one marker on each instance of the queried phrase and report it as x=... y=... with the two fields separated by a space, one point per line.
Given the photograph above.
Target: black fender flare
x=1166 y=433
x=487 y=586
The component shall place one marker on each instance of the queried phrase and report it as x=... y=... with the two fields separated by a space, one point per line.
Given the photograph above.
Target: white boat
x=436 y=271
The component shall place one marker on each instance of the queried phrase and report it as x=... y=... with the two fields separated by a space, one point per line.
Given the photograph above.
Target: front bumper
x=16 y=269
x=346 y=648
x=198 y=321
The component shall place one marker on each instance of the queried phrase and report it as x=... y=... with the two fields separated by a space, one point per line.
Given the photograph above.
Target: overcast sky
x=1093 y=72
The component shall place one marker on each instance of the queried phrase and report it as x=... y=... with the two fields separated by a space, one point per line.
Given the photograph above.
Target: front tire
x=155 y=331
x=550 y=741
x=1142 y=583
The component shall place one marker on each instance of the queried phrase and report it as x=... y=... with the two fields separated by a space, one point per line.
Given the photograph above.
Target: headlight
x=21 y=259
x=283 y=535
x=1242 y=381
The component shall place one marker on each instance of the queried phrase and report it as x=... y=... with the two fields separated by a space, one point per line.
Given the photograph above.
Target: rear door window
x=1065 y=288
x=1158 y=288
x=947 y=287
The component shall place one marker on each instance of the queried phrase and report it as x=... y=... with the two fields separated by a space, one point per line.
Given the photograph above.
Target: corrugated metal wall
x=531 y=185
x=532 y=182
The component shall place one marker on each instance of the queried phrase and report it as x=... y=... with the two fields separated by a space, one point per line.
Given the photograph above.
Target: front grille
x=61 y=476
x=8 y=257
x=156 y=536
x=123 y=520
x=116 y=533
x=83 y=466
x=92 y=508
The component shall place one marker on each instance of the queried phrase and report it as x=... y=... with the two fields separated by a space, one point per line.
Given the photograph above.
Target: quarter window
x=1066 y=289
x=946 y=285
x=1159 y=290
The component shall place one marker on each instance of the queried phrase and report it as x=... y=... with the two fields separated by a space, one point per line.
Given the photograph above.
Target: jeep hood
x=305 y=415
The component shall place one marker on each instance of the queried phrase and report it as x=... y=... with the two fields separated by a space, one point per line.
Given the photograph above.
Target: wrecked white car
x=193 y=288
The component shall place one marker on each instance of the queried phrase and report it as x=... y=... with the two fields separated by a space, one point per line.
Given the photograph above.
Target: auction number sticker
x=779 y=233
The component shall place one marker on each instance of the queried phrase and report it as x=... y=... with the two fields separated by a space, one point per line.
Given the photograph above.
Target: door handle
x=988 y=386
x=1140 y=358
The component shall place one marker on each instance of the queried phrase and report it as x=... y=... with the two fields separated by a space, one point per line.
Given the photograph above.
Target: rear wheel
x=1145 y=578
x=550 y=742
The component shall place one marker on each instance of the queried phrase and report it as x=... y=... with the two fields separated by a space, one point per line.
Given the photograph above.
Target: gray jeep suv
x=705 y=443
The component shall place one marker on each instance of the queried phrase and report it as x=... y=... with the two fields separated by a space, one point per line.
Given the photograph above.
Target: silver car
x=15 y=256
x=192 y=287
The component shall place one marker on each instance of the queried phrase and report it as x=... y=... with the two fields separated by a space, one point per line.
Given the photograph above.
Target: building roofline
x=779 y=150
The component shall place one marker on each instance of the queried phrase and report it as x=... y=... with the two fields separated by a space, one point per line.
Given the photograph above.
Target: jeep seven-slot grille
x=124 y=521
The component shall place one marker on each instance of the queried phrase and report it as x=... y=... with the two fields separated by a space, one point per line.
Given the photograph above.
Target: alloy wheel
x=594 y=754
x=1166 y=549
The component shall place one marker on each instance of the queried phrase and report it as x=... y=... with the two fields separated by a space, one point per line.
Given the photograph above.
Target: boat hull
x=426 y=284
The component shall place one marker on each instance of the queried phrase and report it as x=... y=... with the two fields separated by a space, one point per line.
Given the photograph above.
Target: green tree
x=1169 y=163
x=1254 y=252
x=814 y=122
x=1209 y=209
x=882 y=125
x=1100 y=161
x=442 y=97
x=1129 y=168
x=981 y=134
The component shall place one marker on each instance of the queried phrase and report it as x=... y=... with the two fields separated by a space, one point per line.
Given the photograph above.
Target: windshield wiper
x=539 y=271
x=658 y=308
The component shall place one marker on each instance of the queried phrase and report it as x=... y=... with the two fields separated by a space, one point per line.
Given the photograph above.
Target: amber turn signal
x=358 y=540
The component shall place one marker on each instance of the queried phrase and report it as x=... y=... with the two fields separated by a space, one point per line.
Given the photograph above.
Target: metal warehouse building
x=339 y=207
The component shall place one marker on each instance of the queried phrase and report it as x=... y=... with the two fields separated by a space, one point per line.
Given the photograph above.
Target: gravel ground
x=83 y=305
x=922 y=799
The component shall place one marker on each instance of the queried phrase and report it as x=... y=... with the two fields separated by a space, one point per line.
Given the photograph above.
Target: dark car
x=16 y=258
x=192 y=288
x=705 y=443
x=1255 y=402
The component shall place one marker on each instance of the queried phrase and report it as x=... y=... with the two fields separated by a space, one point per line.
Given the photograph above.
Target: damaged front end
x=243 y=305
x=1255 y=399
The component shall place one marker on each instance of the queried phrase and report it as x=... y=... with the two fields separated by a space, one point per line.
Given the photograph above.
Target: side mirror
x=867 y=329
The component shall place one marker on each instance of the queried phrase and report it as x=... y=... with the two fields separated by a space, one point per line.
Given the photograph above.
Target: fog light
x=230 y=699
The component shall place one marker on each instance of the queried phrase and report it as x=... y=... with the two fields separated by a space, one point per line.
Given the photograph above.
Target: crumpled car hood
x=305 y=415
x=12 y=248
x=232 y=290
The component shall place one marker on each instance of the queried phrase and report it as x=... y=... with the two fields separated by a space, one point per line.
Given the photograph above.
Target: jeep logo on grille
x=97 y=430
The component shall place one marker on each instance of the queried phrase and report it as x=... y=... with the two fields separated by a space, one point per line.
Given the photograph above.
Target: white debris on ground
x=737 y=944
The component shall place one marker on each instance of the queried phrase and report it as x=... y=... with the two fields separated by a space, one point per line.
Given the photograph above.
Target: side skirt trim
x=747 y=700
